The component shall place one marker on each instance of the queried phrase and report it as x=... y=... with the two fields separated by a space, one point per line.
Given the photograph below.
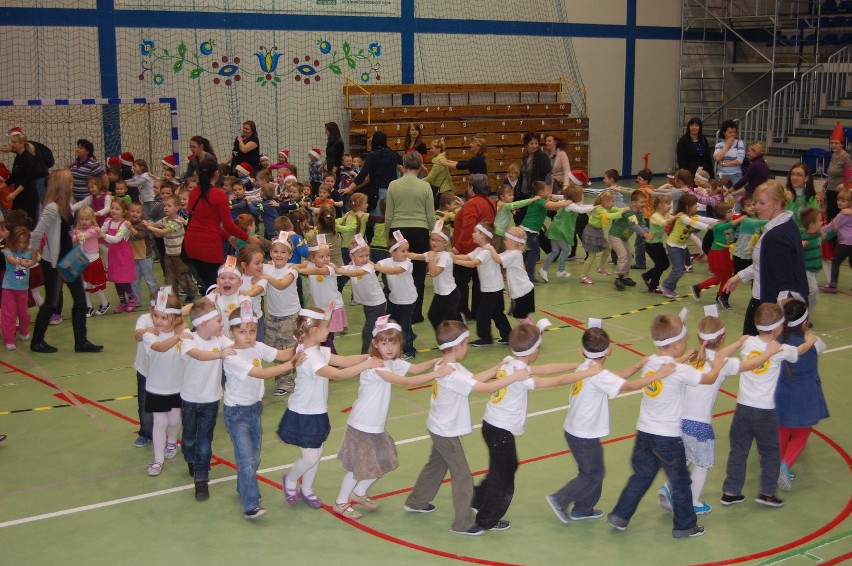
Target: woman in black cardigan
x=333 y=149
x=693 y=151
x=535 y=166
x=779 y=263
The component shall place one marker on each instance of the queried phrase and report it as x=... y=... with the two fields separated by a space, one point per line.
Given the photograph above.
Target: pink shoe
x=120 y=308
x=586 y=281
x=603 y=271
x=132 y=304
x=290 y=495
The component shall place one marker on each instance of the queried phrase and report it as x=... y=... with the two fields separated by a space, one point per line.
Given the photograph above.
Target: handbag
x=71 y=266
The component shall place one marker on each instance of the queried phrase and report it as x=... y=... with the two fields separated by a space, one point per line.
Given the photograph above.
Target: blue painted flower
x=158 y=79
x=324 y=46
x=375 y=49
x=306 y=70
x=268 y=59
x=206 y=48
x=365 y=77
x=147 y=47
x=228 y=70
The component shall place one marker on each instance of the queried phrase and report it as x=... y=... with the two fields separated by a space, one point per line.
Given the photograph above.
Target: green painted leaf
x=346 y=48
x=260 y=79
x=277 y=79
x=166 y=53
x=351 y=62
x=182 y=49
x=334 y=69
x=196 y=73
x=178 y=66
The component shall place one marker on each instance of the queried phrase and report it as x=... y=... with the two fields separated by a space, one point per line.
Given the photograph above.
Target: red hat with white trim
x=168 y=161
x=127 y=158
x=15 y=130
x=113 y=161
x=284 y=154
x=837 y=134
x=315 y=152
x=245 y=169
x=264 y=157
x=579 y=177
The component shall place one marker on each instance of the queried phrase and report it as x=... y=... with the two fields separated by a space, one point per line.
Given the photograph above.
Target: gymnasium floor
x=74 y=490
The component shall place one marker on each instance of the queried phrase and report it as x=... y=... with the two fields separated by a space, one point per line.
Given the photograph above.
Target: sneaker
x=502 y=525
x=428 y=509
x=89 y=312
x=171 y=449
x=571 y=258
x=346 y=510
x=731 y=499
x=255 y=513
x=586 y=281
x=55 y=319
x=664 y=498
x=141 y=442
x=687 y=269
x=593 y=514
x=723 y=302
x=503 y=342
x=563 y=274
x=695 y=531
x=104 y=308
x=628 y=281
x=120 y=308
x=543 y=274
x=474 y=531
x=702 y=509
x=364 y=502
x=619 y=284
x=603 y=271
x=699 y=256
x=202 y=492
x=154 y=468
x=768 y=500
x=132 y=304
x=828 y=289
x=560 y=512
x=784 y=481
x=616 y=522
x=696 y=293
x=11 y=347
x=669 y=294
x=656 y=291
x=480 y=343
x=24 y=337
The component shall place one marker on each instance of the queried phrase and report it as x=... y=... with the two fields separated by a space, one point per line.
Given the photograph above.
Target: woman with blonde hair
x=757 y=172
x=55 y=226
x=439 y=176
x=25 y=171
x=476 y=163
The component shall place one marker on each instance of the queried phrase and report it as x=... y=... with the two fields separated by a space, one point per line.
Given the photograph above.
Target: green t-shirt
x=536 y=213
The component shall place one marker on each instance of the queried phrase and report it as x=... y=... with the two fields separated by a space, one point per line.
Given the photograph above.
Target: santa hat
x=113 y=161
x=168 y=161
x=263 y=157
x=284 y=154
x=15 y=130
x=837 y=135
x=315 y=152
x=4 y=172
x=127 y=158
x=245 y=169
x=579 y=177
x=289 y=178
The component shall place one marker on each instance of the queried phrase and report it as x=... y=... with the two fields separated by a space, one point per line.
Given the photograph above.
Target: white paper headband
x=672 y=340
x=205 y=317
x=541 y=325
x=461 y=338
x=711 y=335
x=312 y=314
x=400 y=239
x=515 y=238
x=594 y=355
x=484 y=230
x=384 y=323
x=770 y=327
x=799 y=320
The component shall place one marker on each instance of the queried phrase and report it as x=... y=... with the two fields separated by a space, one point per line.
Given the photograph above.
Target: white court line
x=846 y=347
x=142 y=496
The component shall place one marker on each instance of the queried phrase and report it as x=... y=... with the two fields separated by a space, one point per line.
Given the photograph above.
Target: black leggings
x=841 y=252
x=657 y=253
x=491 y=307
x=444 y=307
x=52 y=296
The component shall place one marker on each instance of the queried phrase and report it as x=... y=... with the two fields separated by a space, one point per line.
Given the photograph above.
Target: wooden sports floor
x=74 y=490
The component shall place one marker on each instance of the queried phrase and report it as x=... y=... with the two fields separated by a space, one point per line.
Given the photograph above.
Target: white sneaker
x=11 y=347
x=564 y=274
x=543 y=275
x=25 y=337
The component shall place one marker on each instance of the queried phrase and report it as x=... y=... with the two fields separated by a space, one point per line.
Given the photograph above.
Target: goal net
x=146 y=127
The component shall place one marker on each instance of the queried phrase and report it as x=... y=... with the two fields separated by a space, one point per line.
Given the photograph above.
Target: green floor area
x=73 y=489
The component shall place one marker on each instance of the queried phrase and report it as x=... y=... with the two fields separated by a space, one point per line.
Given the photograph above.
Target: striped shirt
x=174 y=239
x=812 y=251
x=81 y=171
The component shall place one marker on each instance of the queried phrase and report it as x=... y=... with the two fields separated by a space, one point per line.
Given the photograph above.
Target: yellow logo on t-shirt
x=434 y=390
x=762 y=368
x=654 y=388
x=498 y=395
x=231 y=307
x=576 y=388
x=255 y=362
x=360 y=278
x=177 y=347
x=320 y=278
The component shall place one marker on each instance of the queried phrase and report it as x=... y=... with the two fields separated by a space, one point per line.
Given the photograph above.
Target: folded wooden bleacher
x=500 y=113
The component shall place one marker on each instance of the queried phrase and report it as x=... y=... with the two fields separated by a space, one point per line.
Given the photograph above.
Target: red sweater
x=210 y=224
x=478 y=209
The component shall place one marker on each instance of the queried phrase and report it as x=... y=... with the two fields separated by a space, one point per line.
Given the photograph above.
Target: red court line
x=838 y=560
x=580 y=326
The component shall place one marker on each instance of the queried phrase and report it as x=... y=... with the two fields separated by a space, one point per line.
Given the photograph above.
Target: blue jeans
x=639 y=248
x=144 y=270
x=650 y=453
x=751 y=424
x=146 y=419
x=678 y=257
x=246 y=432
x=531 y=254
x=584 y=490
x=199 y=420
x=558 y=249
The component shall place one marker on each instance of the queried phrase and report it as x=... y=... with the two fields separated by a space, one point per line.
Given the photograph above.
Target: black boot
x=202 y=492
x=81 y=343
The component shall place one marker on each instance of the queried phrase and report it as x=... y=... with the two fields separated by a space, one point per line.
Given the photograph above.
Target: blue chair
x=814 y=158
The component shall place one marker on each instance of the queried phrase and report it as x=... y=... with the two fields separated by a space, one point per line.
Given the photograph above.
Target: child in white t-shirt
x=140 y=363
x=658 y=442
x=491 y=304
x=403 y=293
x=202 y=352
x=253 y=284
x=449 y=420
x=521 y=288
x=244 y=390
x=505 y=416
x=226 y=293
x=696 y=424
x=366 y=290
x=322 y=281
x=305 y=422
x=282 y=304
x=587 y=422
x=368 y=452
x=754 y=416
x=445 y=303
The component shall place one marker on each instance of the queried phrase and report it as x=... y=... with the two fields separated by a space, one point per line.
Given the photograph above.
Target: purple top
x=756 y=174
x=842 y=224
